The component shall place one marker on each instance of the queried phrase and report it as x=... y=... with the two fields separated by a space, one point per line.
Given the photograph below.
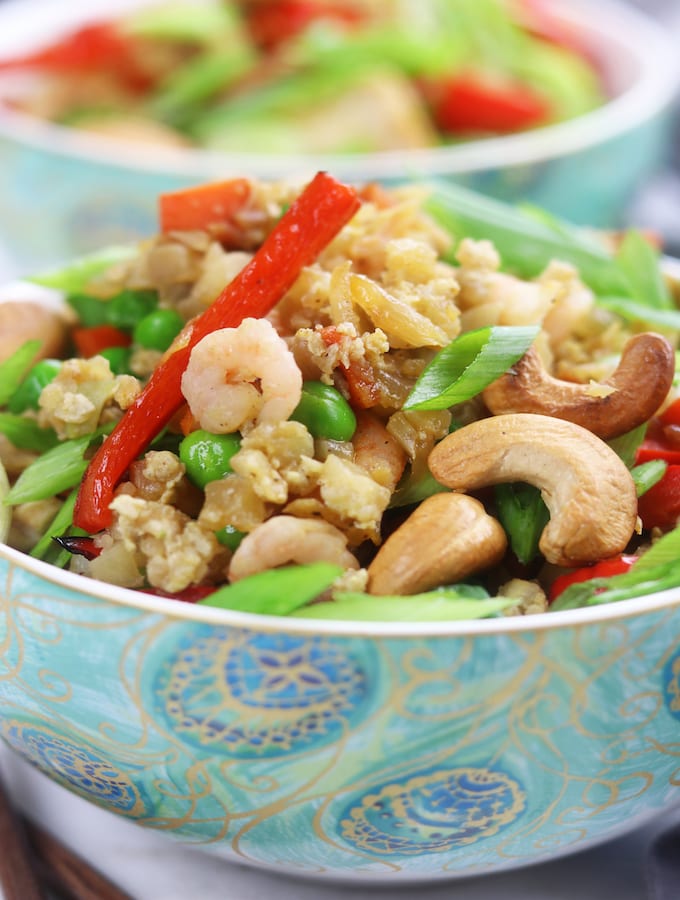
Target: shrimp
x=377 y=451
x=241 y=376
x=286 y=539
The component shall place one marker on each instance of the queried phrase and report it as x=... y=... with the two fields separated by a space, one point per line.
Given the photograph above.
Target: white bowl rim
x=654 y=50
x=198 y=613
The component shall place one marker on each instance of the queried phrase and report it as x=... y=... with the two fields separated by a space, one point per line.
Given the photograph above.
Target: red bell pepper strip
x=309 y=224
x=198 y=207
x=91 y=341
x=659 y=507
x=467 y=103
x=617 y=565
x=100 y=47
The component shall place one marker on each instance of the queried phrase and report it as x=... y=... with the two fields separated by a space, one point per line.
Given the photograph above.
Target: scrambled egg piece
x=73 y=403
x=174 y=550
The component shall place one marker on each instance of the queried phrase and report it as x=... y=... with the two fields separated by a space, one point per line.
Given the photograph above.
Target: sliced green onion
x=416 y=488
x=447 y=605
x=60 y=469
x=276 y=592
x=658 y=569
x=15 y=367
x=26 y=434
x=646 y=475
x=664 y=551
x=191 y=23
x=196 y=81
x=74 y=278
x=523 y=514
x=636 y=311
x=626 y=445
x=469 y=364
x=59 y=524
x=640 y=263
x=526 y=245
x=5 y=511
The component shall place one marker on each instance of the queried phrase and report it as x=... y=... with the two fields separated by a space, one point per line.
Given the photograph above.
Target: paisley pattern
x=77 y=767
x=433 y=813
x=261 y=695
x=672 y=684
x=346 y=756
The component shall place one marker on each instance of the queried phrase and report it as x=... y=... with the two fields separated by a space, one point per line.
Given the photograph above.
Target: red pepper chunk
x=617 y=565
x=470 y=104
x=198 y=207
x=273 y=23
x=91 y=341
x=662 y=438
x=310 y=223
x=99 y=47
x=659 y=507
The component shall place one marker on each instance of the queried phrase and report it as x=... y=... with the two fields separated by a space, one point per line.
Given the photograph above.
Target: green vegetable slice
x=523 y=514
x=5 y=511
x=637 y=311
x=646 y=475
x=277 y=592
x=59 y=524
x=525 y=243
x=468 y=364
x=60 y=469
x=657 y=570
x=74 y=278
x=26 y=434
x=14 y=369
x=436 y=606
x=639 y=262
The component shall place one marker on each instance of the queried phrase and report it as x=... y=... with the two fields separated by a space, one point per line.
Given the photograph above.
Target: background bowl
x=64 y=192
x=363 y=752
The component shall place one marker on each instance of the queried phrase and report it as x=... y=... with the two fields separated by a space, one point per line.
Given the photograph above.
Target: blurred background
x=534 y=101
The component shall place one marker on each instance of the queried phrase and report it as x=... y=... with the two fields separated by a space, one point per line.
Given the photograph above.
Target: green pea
x=230 y=536
x=325 y=412
x=28 y=393
x=129 y=307
x=158 y=329
x=119 y=359
x=207 y=456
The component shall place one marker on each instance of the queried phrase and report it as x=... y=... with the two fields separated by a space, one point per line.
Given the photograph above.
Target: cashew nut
x=587 y=488
x=24 y=321
x=640 y=385
x=445 y=539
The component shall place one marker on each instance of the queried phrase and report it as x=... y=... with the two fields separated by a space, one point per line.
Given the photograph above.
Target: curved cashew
x=22 y=321
x=286 y=539
x=445 y=539
x=640 y=385
x=585 y=485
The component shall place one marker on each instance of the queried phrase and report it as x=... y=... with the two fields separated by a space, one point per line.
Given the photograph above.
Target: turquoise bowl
x=64 y=193
x=356 y=752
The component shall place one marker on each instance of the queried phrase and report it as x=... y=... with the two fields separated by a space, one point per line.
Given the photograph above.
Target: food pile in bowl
x=327 y=76
x=341 y=402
